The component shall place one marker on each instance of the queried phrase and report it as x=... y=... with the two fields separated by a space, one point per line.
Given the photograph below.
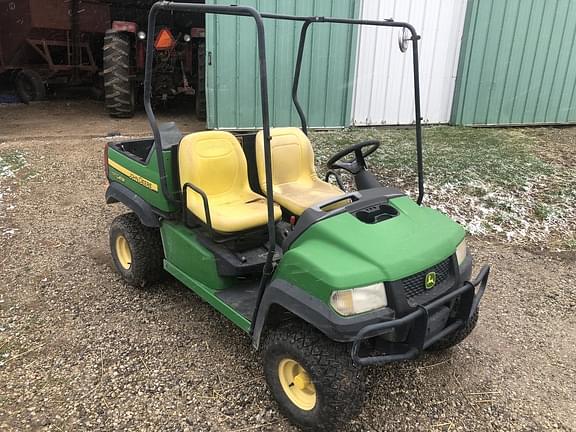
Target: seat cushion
x=297 y=197
x=247 y=211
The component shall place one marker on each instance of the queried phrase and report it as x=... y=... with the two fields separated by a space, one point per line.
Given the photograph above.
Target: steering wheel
x=358 y=163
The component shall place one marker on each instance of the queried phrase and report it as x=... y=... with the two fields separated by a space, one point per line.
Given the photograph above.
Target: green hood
x=343 y=252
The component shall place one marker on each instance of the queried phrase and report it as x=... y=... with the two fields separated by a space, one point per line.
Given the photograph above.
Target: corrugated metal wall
x=327 y=71
x=518 y=63
x=384 y=86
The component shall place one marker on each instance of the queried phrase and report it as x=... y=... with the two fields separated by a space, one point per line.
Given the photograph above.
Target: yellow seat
x=296 y=185
x=214 y=162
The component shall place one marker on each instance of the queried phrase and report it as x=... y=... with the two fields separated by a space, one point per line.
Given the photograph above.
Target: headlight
x=141 y=35
x=358 y=300
x=461 y=252
x=187 y=38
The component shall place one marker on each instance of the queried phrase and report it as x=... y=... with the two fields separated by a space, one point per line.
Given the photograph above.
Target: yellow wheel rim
x=297 y=384
x=123 y=252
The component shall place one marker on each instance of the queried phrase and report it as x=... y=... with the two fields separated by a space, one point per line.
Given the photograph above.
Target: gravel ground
x=80 y=350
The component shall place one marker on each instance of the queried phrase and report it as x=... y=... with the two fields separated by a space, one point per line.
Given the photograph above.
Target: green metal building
x=325 y=93
x=517 y=63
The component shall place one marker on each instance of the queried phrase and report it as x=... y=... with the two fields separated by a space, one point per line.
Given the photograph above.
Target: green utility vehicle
x=323 y=281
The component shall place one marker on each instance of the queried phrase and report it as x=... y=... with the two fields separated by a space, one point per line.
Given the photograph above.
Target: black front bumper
x=422 y=331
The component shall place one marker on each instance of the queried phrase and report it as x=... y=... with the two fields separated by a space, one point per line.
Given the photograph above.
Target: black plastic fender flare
x=119 y=193
x=314 y=311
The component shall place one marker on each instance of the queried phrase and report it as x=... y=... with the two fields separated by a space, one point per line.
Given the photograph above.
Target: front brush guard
x=418 y=338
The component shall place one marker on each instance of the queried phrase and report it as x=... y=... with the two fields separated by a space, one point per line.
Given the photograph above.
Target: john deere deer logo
x=430 y=280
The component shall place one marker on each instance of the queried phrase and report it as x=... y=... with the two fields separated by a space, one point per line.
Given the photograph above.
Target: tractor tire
x=119 y=90
x=312 y=377
x=200 y=98
x=136 y=250
x=456 y=337
x=29 y=86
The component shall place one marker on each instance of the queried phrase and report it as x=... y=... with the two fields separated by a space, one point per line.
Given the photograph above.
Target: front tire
x=312 y=378
x=136 y=250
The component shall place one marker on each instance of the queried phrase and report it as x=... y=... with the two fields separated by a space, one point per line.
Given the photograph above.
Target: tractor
x=179 y=59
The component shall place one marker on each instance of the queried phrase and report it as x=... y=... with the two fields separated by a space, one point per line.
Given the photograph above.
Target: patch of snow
x=483 y=209
x=8 y=170
x=9 y=231
x=5 y=170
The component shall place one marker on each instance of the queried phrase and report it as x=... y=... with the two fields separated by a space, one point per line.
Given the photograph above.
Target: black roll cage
x=258 y=18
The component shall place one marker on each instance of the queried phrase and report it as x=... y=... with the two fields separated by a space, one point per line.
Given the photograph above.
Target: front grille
x=415 y=285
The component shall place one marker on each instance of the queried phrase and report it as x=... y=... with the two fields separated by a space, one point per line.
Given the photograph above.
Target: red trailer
x=46 y=41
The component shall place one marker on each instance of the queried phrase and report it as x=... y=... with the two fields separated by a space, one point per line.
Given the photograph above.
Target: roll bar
x=258 y=19
x=386 y=23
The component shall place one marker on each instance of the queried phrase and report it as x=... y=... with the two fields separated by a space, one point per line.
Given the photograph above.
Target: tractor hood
x=343 y=252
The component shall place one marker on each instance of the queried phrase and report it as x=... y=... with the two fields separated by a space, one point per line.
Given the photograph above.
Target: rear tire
x=200 y=98
x=327 y=390
x=456 y=337
x=119 y=90
x=29 y=86
x=136 y=250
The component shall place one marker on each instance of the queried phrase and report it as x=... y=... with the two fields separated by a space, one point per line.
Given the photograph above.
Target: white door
x=384 y=92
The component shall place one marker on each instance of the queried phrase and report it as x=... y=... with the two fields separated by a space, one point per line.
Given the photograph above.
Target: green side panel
x=149 y=172
x=182 y=249
x=517 y=63
x=194 y=266
x=327 y=78
x=342 y=252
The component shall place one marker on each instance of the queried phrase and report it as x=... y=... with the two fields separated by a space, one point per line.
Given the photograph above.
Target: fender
x=119 y=193
x=313 y=311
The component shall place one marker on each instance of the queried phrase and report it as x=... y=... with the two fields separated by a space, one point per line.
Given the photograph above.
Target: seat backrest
x=292 y=157
x=214 y=162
